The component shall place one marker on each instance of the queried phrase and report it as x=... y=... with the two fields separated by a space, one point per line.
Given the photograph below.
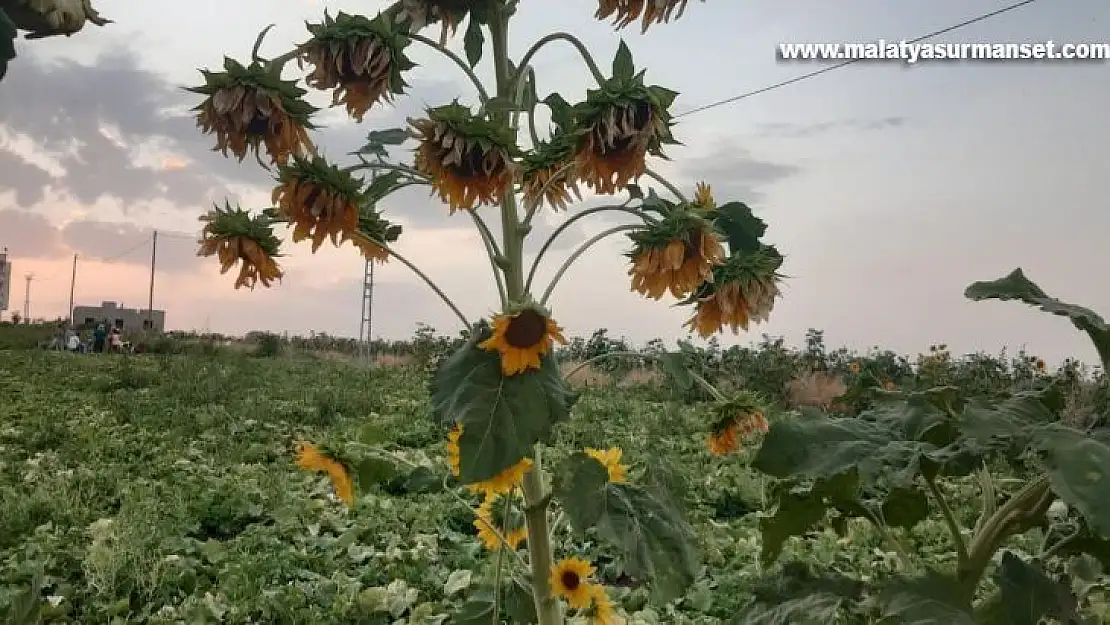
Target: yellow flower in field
x=624 y=12
x=602 y=611
x=611 y=460
x=499 y=484
x=854 y=367
x=319 y=199
x=310 y=458
x=677 y=254
x=570 y=580
x=233 y=236
x=523 y=337
x=453 y=449
x=492 y=520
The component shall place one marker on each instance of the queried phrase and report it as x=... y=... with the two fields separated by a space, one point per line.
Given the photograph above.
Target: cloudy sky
x=888 y=187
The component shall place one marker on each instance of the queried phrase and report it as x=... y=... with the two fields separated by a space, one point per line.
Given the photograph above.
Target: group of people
x=103 y=339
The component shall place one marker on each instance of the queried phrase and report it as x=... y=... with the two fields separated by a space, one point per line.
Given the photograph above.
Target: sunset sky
x=888 y=187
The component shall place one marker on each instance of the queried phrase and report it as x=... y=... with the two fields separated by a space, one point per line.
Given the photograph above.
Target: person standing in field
x=98 y=338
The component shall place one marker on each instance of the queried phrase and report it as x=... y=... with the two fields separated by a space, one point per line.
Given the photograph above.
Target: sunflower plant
x=39 y=19
x=500 y=396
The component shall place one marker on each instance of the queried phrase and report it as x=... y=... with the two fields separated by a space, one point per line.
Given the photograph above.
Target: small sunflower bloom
x=499 y=525
x=743 y=291
x=468 y=159
x=570 y=580
x=233 y=236
x=650 y=12
x=453 y=437
x=247 y=108
x=320 y=200
x=362 y=59
x=310 y=458
x=523 y=337
x=675 y=255
x=601 y=611
x=854 y=368
x=738 y=419
x=611 y=460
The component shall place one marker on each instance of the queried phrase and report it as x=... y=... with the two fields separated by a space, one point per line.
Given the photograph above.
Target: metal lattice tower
x=366 y=328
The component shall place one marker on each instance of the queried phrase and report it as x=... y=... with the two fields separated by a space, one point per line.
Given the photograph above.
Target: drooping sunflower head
x=417 y=14
x=248 y=107
x=362 y=59
x=549 y=174
x=736 y=419
x=319 y=199
x=373 y=231
x=50 y=18
x=523 y=335
x=311 y=458
x=601 y=611
x=611 y=460
x=570 y=579
x=743 y=291
x=235 y=236
x=621 y=123
x=500 y=521
x=468 y=158
x=675 y=254
x=624 y=12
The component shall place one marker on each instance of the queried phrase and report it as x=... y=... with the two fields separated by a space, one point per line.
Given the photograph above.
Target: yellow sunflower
x=624 y=12
x=310 y=458
x=523 y=337
x=679 y=265
x=245 y=116
x=570 y=580
x=854 y=367
x=493 y=519
x=361 y=59
x=453 y=449
x=233 y=236
x=320 y=200
x=499 y=484
x=468 y=159
x=611 y=460
x=602 y=612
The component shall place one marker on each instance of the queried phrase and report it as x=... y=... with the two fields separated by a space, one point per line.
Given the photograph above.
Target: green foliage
x=8 y=33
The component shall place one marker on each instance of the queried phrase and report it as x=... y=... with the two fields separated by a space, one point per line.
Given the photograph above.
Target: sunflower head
x=675 y=254
x=362 y=59
x=570 y=579
x=742 y=291
x=619 y=125
x=52 y=17
x=523 y=335
x=248 y=107
x=735 y=420
x=501 y=516
x=611 y=460
x=311 y=458
x=548 y=173
x=453 y=452
x=501 y=483
x=417 y=14
x=373 y=229
x=468 y=158
x=235 y=236
x=319 y=199
x=854 y=367
x=601 y=611
x=624 y=12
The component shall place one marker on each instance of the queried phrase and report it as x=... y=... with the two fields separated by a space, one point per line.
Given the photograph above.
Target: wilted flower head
x=47 y=18
x=374 y=231
x=467 y=158
x=418 y=14
x=319 y=199
x=743 y=291
x=675 y=254
x=234 y=236
x=624 y=12
x=361 y=59
x=736 y=419
x=250 y=107
x=549 y=174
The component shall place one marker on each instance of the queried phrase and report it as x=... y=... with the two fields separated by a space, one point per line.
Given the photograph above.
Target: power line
x=825 y=70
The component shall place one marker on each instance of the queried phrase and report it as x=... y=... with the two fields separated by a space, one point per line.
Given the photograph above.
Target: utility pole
x=366 y=328
x=72 y=285
x=150 y=301
x=27 y=299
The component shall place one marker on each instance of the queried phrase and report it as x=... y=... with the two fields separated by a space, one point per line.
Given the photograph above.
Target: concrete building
x=112 y=316
x=5 y=280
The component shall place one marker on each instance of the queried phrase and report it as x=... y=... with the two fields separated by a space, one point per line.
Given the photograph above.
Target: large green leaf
x=1028 y=595
x=1017 y=287
x=928 y=600
x=740 y=226
x=502 y=417
x=8 y=34
x=1079 y=467
x=798 y=596
x=815 y=609
x=655 y=541
x=473 y=42
x=1008 y=425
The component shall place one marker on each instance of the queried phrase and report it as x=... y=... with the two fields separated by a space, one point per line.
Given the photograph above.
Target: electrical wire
x=825 y=70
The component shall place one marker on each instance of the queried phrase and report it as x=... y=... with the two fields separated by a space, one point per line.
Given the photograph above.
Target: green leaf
x=478 y=610
x=623 y=67
x=1017 y=286
x=390 y=136
x=928 y=600
x=519 y=604
x=905 y=507
x=1079 y=467
x=8 y=33
x=1028 y=594
x=457 y=581
x=795 y=514
x=501 y=104
x=502 y=418
x=674 y=365
x=655 y=541
x=798 y=596
x=740 y=226
x=375 y=469
x=474 y=41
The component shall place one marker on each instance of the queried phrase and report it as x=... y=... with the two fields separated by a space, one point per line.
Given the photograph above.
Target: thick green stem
x=493 y=252
x=950 y=521
x=582 y=249
x=666 y=183
x=463 y=65
x=572 y=40
x=548 y=609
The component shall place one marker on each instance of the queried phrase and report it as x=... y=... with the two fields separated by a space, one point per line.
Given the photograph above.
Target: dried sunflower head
x=48 y=18
x=675 y=254
x=468 y=158
x=417 y=14
x=251 y=106
x=743 y=291
x=362 y=59
x=549 y=173
x=319 y=199
x=373 y=231
x=736 y=419
x=624 y=12
x=235 y=236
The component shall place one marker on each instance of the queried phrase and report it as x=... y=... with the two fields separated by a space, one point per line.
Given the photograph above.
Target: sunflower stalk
x=483 y=95
x=582 y=249
x=587 y=58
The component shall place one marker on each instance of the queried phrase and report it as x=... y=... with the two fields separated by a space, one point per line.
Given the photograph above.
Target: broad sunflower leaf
x=502 y=417
x=1028 y=595
x=478 y=610
x=655 y=540
x=740 y=226
x=473 y=41
x=1079 y=467
x=8 y=33
x=814 y=609
x=674 y=365
x=623 y=67
x=1017 y=286
x=929 y=600
x=798 y=596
